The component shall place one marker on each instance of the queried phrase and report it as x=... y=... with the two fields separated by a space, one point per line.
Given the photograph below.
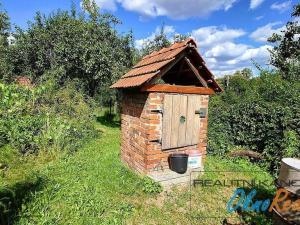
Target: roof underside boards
x=152 y=65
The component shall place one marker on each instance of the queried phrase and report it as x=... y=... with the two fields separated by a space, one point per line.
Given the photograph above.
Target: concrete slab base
x=168 y=178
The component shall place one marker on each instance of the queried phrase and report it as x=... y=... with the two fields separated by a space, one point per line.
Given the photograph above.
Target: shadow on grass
x=108 y=120
x=12 y=198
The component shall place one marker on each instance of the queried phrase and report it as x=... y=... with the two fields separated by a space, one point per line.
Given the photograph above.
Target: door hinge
x=157 y=111
x=156 y=141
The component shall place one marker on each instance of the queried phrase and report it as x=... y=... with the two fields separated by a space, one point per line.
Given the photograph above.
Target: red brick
x=140 y=125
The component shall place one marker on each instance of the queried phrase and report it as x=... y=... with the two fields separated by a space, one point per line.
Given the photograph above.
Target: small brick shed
x=164 y=102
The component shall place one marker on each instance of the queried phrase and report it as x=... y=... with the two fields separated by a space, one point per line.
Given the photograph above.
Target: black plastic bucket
x=178 y=162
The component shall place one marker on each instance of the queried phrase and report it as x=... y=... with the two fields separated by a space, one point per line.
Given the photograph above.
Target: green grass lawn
x=93 y=187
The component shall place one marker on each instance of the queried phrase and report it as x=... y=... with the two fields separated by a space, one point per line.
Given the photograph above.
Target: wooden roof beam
x=167 y=68
x=166 y=88
x=180 y=72
x=196 y=72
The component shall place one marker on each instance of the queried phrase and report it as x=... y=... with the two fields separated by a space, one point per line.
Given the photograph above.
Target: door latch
x=202 y=112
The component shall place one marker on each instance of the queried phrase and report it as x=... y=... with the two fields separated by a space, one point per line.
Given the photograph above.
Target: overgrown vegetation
x=261 y=114
x=44 y=118
x=37 y=125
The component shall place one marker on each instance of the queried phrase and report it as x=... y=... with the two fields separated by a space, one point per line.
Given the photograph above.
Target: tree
x=286 y=54
x=83 y=46
x=4 y=23
x=159 y=41
x=181 y=37
x=245 y=73
x=4 y=34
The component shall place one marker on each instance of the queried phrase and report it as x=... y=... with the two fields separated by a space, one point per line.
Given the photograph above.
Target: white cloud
x=226 y=63
x=222 y=52
x=140 y=42
x=107 y=4
x=212 y=35
x=259 y=18
x=281 y=7
x=226 y=51
x=176 y=9
x=255 y=3
x=262 y=34
x=168 y=30
x=259 y=54
x=222 y=67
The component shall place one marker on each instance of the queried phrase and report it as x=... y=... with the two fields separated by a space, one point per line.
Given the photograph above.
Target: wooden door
x=181 y=125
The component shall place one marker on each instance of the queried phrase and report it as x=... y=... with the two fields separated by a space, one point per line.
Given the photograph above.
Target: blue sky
x=230 y=33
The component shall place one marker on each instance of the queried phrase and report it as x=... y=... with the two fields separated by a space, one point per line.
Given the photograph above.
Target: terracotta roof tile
x=154 y=67
x=151 y=65
x=172 y=47
x=170 y=54
x=133 y=81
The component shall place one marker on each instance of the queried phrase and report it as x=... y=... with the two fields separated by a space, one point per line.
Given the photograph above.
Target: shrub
x=44 y=117
x=263 y=116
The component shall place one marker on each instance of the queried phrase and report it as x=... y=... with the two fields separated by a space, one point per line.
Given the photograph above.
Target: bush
x=263 y=116
x=44 y=117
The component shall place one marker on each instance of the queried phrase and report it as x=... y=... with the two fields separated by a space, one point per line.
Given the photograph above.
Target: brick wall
x=133 y=131
x=140 y=128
